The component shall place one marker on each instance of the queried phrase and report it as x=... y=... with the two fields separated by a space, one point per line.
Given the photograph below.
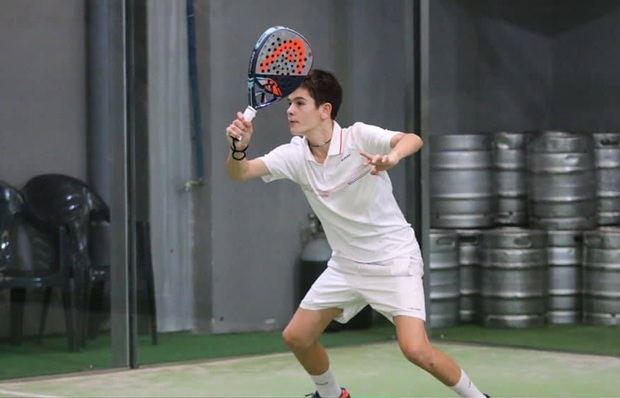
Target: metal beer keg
x=461 y=186
x=565 y=257
x=514 y=277
x=469 y=265
x=601 y=276
x=444 y=278
x=561 y=181
x=510 y=176
x=607 y=162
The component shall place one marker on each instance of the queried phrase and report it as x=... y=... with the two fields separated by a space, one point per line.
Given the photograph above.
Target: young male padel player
x=375 y=259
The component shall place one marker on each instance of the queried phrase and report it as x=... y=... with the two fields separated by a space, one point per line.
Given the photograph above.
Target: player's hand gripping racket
x=280 y=61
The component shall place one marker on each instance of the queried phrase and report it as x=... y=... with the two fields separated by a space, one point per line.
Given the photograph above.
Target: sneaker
x=343 y=394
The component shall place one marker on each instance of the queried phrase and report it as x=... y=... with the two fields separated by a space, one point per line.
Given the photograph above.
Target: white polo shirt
x=362 y=221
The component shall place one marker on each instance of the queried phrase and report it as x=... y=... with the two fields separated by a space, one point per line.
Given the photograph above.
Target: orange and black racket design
x=279 y=63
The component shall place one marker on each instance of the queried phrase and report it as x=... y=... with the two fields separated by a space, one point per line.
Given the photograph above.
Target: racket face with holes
x=281 y=60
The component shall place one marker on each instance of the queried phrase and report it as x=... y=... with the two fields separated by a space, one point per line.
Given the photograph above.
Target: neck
x=321 y=136
x=319 y=145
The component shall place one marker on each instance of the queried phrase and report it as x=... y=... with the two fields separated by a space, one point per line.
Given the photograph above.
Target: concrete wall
x=42 y=107
x=169 y=164
x=42 y=81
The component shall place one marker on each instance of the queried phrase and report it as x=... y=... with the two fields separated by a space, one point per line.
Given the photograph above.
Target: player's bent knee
x=419 y=354
x=295 y=341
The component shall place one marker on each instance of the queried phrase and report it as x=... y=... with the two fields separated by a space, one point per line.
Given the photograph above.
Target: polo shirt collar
x=335 y=145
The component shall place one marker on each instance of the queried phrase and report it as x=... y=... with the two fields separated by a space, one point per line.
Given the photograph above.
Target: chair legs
x=47 y=296
x=84 y=303
x=81 y=281
x=68 y=304
x=18 y=300
x=69 y=301
x=69 y=307
x=96 y=308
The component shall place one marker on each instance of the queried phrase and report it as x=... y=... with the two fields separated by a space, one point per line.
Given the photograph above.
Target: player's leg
x=301 y=336
x=401 y=300
x=329 y=297
x=417 y=348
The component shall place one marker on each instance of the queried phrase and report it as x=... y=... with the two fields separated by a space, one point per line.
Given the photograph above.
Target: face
x=303 y=114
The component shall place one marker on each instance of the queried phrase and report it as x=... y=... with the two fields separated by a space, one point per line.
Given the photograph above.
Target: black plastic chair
x=11 y=204
x=48 y=267
x=54 y=200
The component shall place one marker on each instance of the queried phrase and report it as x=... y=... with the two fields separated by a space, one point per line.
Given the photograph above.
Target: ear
x=325 y=110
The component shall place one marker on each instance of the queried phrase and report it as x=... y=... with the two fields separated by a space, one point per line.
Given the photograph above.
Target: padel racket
x=280 y=61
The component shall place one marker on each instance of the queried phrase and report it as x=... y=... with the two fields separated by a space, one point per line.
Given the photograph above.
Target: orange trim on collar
x=335 y=147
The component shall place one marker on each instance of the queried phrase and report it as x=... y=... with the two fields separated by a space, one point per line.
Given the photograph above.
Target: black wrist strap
x=236 y=151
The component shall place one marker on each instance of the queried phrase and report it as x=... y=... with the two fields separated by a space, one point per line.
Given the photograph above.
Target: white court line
x=11 y=393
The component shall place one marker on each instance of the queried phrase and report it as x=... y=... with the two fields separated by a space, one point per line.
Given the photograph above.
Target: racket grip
x=249 y=113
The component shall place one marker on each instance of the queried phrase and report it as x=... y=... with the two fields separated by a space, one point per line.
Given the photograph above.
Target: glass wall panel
x=62 y=110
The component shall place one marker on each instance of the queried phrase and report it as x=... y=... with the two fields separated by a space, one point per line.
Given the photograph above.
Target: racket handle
x=249 y=113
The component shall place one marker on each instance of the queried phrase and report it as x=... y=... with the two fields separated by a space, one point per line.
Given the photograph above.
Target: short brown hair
x=324 y=88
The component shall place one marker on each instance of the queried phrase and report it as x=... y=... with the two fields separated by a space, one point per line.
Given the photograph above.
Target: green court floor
x=372 y=370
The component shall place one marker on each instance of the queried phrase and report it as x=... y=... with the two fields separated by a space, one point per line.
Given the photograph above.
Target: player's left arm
x=402 y=144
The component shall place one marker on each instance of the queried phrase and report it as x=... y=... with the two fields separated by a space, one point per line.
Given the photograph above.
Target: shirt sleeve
x=372 y=139
x=283 y=162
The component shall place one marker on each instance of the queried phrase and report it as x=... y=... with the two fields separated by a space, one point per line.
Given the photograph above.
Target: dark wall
x=523 y=65
x=486 y=74
x=586 y=61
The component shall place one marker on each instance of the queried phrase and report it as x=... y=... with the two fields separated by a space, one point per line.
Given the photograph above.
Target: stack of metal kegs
x=525 y=228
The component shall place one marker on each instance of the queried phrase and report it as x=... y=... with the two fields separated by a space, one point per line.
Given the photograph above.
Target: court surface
x=373 y=370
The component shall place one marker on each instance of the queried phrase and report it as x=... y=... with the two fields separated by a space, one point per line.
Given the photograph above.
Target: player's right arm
x=239 y=168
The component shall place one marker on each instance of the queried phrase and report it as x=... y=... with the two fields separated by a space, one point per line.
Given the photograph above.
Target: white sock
x=465 y=388
x=326 y=385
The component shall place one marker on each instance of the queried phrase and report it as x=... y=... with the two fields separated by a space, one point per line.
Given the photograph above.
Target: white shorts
x=387 y=294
